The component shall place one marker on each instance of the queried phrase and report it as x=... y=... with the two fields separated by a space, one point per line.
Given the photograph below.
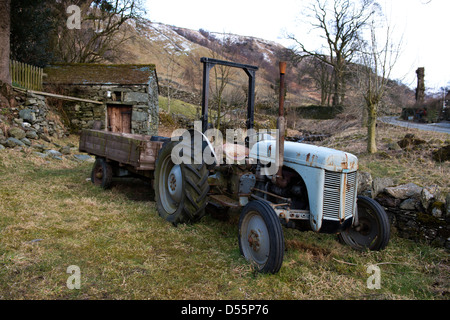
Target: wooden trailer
x=134 y=152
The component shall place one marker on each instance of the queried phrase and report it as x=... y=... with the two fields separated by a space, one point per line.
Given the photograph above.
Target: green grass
x=179 y=107
x=189 y=110
x=52 y=218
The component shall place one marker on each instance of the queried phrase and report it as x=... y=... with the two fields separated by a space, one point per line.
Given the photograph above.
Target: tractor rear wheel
x=372 y=231
x=261 y=239
x=180 y=189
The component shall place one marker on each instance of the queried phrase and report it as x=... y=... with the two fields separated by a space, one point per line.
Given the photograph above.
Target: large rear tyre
x=261 y=239
x=372 y=231
x=180 y=189
x=102 y=173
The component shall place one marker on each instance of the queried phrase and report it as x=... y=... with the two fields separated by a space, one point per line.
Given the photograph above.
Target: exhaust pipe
x=282 y=88
x=278 y=179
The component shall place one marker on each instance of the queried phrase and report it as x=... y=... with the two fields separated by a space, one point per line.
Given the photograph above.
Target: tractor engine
x=315 y=180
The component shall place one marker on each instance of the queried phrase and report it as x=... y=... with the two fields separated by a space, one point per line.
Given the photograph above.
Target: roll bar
x=208 y=64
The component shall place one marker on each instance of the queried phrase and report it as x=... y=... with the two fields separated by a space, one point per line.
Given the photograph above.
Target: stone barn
x=119 y=97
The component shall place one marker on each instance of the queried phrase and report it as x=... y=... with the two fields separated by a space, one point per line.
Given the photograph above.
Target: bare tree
x=102 y=31
x=340 y=24
x=377 y=57
x=5 y=25
x=170 y=54
x=221 y=80
x=192 y=72
x=222 y=76
x=322 y=75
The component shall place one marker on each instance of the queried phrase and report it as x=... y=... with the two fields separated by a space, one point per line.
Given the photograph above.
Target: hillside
x=176 y=51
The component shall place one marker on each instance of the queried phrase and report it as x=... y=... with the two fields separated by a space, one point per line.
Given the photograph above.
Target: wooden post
x=25 y=75
x=41 y=78
x=10 y=70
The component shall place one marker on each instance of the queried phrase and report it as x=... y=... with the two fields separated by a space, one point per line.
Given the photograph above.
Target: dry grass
x=52 y=218
x=404 y=166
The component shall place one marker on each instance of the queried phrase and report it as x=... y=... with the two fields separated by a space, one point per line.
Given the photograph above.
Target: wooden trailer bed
x=136 y=150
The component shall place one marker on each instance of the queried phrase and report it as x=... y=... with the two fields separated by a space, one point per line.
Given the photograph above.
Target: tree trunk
x=219 y=112
x=338 y=88
x=5 y=25
x=168 y=99
x=372 y=128
x=323 y=97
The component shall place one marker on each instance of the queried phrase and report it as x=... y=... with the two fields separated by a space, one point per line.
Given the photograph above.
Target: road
x=443 y=127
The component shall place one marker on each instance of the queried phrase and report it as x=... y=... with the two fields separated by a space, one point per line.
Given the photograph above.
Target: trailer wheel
x=180 y=189
x=372 y=230
x=261 y=239
x=102 y=173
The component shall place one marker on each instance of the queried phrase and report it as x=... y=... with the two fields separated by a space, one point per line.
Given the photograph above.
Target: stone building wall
x=142 y=99
x=135 y=86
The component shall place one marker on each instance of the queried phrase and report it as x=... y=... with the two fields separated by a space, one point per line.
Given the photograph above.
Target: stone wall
x=415 y=212
x=32 y=127
x=31 y=120
x=131 y=85
x=142 y=98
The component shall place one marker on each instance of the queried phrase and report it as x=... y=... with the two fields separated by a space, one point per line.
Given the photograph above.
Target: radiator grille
x=336 y=207
x=350 y=195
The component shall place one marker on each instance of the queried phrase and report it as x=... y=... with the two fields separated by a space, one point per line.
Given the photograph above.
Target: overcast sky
x=423 y=24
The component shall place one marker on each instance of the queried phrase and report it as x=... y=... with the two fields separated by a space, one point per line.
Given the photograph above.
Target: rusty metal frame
x=208 y=64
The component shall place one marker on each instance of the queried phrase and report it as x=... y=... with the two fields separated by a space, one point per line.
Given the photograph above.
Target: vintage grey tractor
x=274 y=183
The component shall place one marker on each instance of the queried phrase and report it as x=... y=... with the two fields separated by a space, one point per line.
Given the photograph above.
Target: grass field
x=179 y=107
x=51 y=218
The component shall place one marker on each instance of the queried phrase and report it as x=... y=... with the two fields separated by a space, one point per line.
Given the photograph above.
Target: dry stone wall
x=32 y=127
x=415 y=212
x=31 y=120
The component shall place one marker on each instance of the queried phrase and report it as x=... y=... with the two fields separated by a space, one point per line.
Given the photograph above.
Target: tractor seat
x=236 y=152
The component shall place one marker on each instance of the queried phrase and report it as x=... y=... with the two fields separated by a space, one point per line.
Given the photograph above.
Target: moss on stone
x=442 y=154
x=84 y=73
x=429 y=220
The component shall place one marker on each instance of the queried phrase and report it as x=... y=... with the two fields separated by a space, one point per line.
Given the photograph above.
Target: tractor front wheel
x=261 y=239
x=372 y=229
